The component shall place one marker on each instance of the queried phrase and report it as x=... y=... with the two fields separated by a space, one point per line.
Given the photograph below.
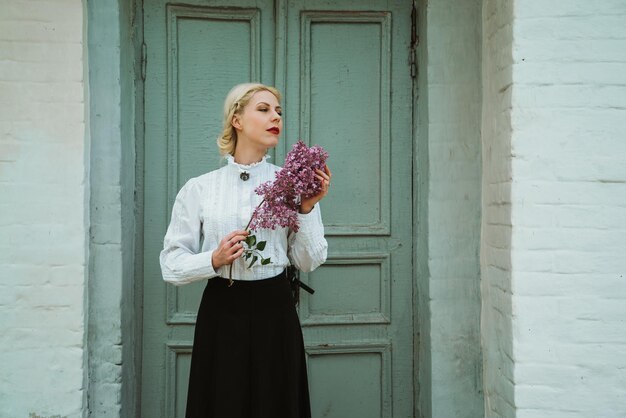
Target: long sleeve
x=308 y=248
x=212 y=205
x=181 y=258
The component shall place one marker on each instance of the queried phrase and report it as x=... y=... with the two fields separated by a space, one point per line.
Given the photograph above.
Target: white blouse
x=210 y=206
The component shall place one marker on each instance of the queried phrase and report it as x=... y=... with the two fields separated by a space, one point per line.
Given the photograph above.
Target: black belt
x=293 y=276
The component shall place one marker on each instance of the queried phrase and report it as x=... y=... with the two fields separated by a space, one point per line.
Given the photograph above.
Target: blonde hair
x=236 y=99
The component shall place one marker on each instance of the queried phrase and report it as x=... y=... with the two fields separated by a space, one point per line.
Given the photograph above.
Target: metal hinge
x=414 y=42
x=144 y=60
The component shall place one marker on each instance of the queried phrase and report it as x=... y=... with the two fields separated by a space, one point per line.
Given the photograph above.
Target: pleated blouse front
x=211 y=206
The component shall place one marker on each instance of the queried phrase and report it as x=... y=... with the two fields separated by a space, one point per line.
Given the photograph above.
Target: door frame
x=114 y=133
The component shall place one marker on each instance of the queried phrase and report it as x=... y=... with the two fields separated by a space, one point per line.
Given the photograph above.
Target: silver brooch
x=244 y=176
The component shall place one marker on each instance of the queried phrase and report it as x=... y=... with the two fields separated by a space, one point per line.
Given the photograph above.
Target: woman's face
x=260 y=123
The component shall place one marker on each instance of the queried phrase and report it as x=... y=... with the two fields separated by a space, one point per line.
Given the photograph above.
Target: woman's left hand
x=306 y=205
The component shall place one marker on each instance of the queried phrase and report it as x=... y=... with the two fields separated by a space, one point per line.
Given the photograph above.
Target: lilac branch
x=279 y=207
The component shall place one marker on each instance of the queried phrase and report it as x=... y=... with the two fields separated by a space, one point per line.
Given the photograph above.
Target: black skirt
x=248 y=356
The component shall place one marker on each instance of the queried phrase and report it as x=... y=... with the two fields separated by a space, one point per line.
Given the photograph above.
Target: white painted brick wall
x=42 y=208
x=496 y=231
x=568 y=148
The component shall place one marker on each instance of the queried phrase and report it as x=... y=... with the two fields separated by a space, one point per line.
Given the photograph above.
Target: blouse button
x=244 y=176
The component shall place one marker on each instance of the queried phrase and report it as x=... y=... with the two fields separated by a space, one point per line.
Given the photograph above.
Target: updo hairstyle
x=236 y=99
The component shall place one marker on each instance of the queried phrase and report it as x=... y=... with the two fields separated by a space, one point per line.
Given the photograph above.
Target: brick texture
x=496 y=235
x=42 y=209
x=569 y=208
x=554 y=209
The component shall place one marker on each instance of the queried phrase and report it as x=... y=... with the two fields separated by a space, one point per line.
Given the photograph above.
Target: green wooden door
x=343 y=69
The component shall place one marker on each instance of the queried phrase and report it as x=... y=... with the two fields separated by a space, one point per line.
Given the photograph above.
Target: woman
x=248 y=356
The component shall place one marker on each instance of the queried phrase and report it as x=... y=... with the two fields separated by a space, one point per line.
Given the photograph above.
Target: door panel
x=345 y=78
x=344 y=74
x=195 y=54
x=349 y=82
x=360 y=389
x=200 y=41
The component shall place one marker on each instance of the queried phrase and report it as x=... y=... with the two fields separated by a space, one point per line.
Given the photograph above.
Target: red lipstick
x=274 y=130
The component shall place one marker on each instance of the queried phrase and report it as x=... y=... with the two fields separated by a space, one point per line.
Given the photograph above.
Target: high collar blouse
x=211 y=206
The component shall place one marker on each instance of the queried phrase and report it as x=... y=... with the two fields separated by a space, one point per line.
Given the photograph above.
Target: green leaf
x=254 y=259
x=266 y=261
x=261 y=245
x=251 y=240
x=248 y=255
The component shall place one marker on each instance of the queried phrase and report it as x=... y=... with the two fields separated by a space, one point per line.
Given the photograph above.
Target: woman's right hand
x=229 y=249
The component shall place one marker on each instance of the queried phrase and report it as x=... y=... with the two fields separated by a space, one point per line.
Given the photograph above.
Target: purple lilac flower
x=295 y=179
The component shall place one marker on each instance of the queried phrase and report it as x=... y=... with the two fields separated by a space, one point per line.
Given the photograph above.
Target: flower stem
x=252 y=217
x=230 y=268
